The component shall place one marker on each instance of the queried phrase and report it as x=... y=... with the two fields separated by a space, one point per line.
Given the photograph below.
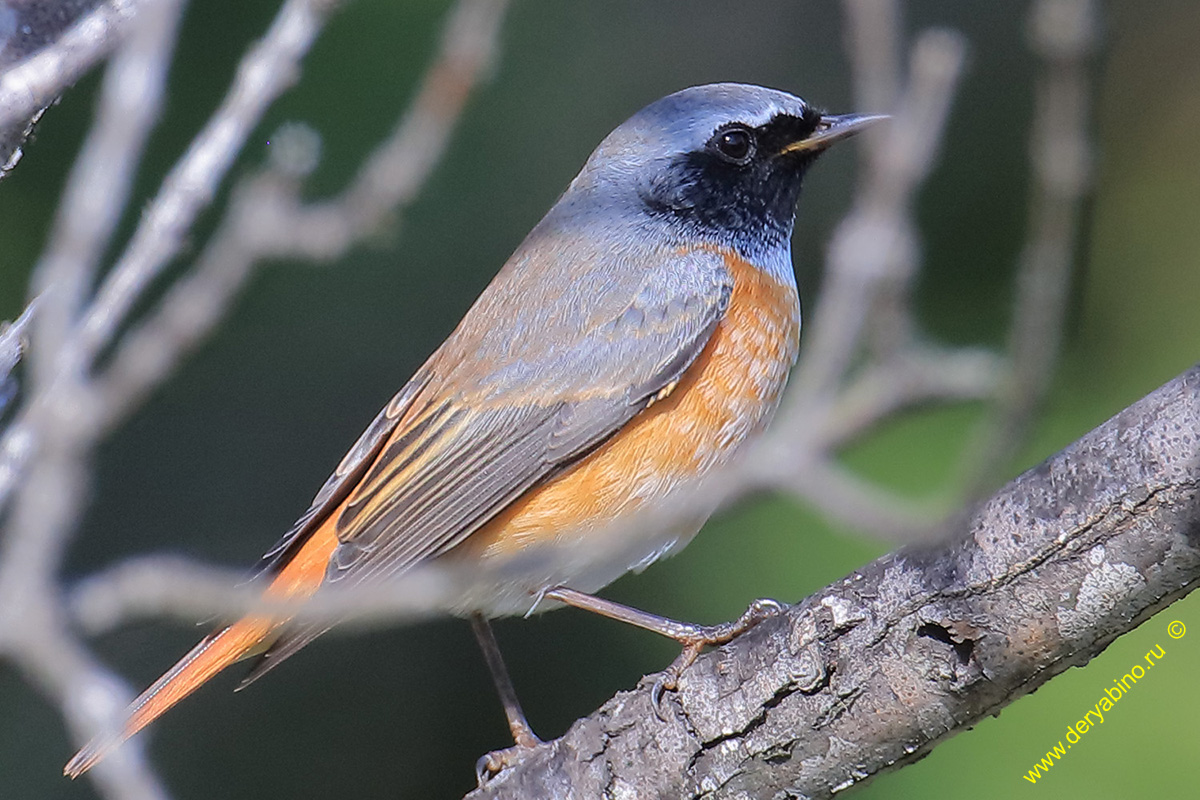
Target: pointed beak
x=833 y=128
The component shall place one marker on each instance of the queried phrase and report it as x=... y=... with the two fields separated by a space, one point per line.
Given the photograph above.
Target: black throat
x=749 y=206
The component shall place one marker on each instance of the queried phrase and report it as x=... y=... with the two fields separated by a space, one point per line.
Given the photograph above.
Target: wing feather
x=341 y=483
x=458 y=464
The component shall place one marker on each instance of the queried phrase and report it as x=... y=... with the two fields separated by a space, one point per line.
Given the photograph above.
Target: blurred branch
x=32 y=84
x=97 y=189
x=917 y=377
x=98 y=186
x=873 y=671
x=1063 y=34
x=156 y=586
x=872 y=261
x=874 y=249
x=41 y=54
x=863 y=360
x=266 y=71
x=34 y=629
x=14 y=341
x=873 y=42
x=266 y=219
x=46 y=450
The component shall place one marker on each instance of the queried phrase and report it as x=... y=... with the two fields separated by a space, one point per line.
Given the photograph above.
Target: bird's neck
x=774 y=260
x=767 y=247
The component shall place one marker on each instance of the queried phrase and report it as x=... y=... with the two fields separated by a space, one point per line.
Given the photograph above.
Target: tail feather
x=213 y=654
x=283 y=647
x=300 y=577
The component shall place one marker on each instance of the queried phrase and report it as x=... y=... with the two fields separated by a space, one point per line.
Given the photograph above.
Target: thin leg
x=694 y=638
x=522 y=733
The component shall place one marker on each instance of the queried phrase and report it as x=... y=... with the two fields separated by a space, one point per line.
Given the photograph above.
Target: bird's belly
x=568 y=530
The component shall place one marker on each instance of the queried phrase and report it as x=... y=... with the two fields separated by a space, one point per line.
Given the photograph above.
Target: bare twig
x=876 y=245
x=156 y=586
x=873 y=40
x=128 y=109
x=34 y=83
x=863 y=360
x=16 y=448
x=266 y=219
x=34 y=631
x=393 y=174
x=916 y=377
x=266 y=71
x=872 y=261
x=13 y=343
x=98 y=186
x=27 y=28
x=1063 y=33
x=45 y=451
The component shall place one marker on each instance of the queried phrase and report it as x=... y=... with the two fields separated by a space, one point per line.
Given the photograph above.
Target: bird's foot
x=495 y=762
x=697 y=637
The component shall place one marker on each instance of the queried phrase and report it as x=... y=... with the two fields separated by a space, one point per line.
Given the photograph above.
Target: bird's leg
x=694 y=638
x=522 y=733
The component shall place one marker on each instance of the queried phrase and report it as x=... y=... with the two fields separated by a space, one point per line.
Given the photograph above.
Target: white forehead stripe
x=773 y=110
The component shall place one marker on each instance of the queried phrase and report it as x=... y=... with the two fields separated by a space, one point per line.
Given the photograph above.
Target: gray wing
x=343 y=480
x=462 y=459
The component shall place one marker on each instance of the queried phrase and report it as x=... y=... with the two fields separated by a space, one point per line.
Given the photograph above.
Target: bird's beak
x=833 y=128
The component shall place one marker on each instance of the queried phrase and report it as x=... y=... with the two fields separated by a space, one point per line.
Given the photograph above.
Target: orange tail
x=215 y=652
x=300 y=577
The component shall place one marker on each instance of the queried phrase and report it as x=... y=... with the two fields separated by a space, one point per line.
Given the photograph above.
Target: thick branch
x=873 y=671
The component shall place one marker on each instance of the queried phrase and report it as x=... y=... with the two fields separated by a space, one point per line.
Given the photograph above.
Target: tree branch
x=35 y=82
x=1063 y=33
x=46 y=447
x=45 y=49
x=873 y=671
x=268 y=68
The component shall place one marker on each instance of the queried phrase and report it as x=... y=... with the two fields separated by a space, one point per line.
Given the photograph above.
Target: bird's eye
x=734 y=144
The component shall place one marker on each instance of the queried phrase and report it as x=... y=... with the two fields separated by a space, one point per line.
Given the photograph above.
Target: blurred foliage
x=228 y=453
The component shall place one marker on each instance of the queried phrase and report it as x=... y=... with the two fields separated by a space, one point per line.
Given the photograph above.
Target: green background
x=231 y=450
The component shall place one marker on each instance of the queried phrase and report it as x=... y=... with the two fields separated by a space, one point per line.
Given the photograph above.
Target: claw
x=765 y=608
x=492 y=764
x=668 y=679
x=661 y=683
x=702 y=636
x=694 y=638
x=486 y=767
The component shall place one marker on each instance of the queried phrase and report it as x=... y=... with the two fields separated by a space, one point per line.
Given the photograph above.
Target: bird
x=634 y=342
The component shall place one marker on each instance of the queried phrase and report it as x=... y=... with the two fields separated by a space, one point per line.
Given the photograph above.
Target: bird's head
x=723 y=162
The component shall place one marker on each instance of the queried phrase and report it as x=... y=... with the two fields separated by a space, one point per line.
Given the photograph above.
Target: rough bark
x=873 y=671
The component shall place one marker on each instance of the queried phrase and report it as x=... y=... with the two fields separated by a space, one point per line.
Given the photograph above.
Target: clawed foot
x=694 y=638
x=495 y=762
x=668 y=679
x=697 y=637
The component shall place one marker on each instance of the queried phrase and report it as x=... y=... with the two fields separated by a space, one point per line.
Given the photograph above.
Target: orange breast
x=728 y=394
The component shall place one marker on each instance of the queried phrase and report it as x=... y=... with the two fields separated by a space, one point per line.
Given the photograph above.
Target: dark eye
x=734 y=144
